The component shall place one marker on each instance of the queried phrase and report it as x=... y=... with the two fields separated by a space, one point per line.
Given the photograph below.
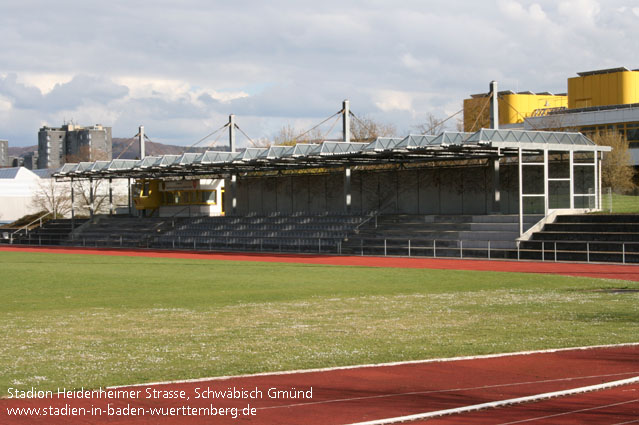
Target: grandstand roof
x=485 y=143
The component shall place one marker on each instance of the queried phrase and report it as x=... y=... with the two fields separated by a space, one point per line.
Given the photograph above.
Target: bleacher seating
x=119 y=231
x=440 y=235
x=299 y=232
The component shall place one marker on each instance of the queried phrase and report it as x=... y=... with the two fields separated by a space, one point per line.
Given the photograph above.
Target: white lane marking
x=572 y=412
x=375 y=365
x=484 y=387
x=500 y=403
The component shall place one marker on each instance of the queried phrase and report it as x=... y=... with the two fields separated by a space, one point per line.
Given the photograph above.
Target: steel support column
x=129 y=194
x=91 y=197
x=571 y=160
x=520 y=188
x=496 y=187
x=597 y=178
x=110 y=196
x=347 y=190
x=546 y=183
x=72 y=206
x=234 y=194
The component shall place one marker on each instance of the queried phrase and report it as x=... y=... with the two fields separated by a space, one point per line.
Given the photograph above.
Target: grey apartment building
x=73 y=143
x=4 y=153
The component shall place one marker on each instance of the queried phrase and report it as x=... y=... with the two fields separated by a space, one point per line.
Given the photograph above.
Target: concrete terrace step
x=598 y=218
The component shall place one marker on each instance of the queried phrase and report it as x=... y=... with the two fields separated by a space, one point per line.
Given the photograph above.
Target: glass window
x=208 y=196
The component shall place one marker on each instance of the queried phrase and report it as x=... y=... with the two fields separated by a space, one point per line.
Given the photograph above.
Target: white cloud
x=389 y=100
x=582 y=12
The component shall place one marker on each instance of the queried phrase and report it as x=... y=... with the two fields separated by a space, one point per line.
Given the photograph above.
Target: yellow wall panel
x=615 y=88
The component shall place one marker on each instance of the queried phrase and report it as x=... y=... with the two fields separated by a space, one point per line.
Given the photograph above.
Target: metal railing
x=26 y=227
x=549 y=250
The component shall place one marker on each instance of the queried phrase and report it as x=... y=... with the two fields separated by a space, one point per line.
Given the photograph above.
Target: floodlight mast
x=494 y=106
x=141 y=139
x=346 y=121
x=232 y=132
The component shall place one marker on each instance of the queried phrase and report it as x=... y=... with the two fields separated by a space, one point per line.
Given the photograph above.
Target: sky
x=181 y=67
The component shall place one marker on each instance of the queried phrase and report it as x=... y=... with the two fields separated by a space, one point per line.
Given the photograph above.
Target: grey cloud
x=84 y=88
x=306 y=57
x=21 y=95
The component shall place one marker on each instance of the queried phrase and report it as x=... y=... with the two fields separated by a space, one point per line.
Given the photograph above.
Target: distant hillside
x=21 y=150
x=152 y=148
x=133 y=152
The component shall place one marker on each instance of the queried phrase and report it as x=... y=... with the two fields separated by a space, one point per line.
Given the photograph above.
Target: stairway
x=591 y=237
x=52 y=232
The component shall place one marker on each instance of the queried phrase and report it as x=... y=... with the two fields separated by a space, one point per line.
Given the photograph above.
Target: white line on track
x=501 y=403
x=572 y=412
x=448 y=390
x=374 y=365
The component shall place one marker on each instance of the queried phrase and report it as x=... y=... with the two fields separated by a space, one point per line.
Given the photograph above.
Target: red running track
x=349 y=395
x=618 y=406
x=604 y=271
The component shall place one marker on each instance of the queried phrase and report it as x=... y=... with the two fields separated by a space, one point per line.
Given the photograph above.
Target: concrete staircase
x=591 y=237
x=52 y=232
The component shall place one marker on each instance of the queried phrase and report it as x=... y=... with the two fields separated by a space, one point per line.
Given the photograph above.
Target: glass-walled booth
x=178 y=198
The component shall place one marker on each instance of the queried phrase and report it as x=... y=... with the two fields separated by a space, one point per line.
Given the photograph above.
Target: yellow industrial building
x=599 y=100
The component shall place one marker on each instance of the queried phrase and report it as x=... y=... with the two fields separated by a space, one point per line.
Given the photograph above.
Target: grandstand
x=452 y=194
x=482 y=194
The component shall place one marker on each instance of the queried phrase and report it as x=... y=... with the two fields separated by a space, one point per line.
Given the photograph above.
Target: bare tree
x=52 y=197
x=616 y=169
x=82 y=190
x=288 y=135
x=366 y=129
x=433 y=125
x=476 y=113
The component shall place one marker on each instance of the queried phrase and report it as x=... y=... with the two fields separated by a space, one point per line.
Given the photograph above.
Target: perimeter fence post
x=555 y=243
x=384 y=247
x=623 y=253
x=518 y=257
x=409 y=247
x=173 y=243
x=588 y=252
x=361 y=247
x=434 y=248
x=543 y=251
x=461 y=249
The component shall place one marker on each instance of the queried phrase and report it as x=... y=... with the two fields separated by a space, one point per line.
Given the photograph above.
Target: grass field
x=83 y=320
x=620 y=204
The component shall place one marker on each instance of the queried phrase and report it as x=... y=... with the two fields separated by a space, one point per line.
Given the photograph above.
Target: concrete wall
x=429 y=190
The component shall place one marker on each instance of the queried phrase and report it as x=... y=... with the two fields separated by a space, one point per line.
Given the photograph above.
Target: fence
x=552 y=251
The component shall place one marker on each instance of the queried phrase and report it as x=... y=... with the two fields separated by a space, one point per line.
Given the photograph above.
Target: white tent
x=17 y=188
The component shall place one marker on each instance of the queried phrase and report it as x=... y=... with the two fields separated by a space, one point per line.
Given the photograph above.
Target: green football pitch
x=88 y=321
